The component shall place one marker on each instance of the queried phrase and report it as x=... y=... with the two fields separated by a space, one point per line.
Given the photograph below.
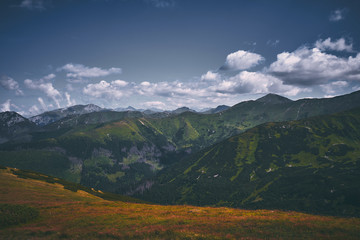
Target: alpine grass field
x=37 y=206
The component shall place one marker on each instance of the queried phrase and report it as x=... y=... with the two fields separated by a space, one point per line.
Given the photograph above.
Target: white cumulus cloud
x=339 y=45
x=119 y=83
x=334 y=87
x=254 y=82
x=42 y=103
x=69 y=101
x=47 y=88
x=79 y=71
x=10 y=84
x=48 y=77
x=308 y=67
x=242 y=60
x=4 y=107
x=210 y=76
x=109 y=90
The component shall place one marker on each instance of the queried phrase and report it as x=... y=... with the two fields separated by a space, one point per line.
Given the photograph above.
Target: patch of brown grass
x=79 y=215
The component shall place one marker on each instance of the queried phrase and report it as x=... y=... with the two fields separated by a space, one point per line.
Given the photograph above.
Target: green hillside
x=308 y=165
x=123 y=152
x=197 y=130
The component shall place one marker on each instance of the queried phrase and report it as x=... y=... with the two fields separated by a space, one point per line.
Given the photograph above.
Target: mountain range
x=238 y=156
x=49 y=117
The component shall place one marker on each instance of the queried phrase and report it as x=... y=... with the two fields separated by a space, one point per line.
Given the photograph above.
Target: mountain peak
x=129 y=108
x=11 y=118
x=272 y=98
x=182 y=109
x=218 y=109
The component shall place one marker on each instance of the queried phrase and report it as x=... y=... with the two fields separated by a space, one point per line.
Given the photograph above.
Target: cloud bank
x=290 y=74
x=104 y=89
x=309 y=67
x=327 y=66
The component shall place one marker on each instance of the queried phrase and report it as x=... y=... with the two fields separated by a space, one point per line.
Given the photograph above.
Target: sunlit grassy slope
x=80 y=215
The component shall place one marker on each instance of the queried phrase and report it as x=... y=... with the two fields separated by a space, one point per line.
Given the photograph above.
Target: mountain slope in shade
x=182 y=110
x=273 y=99
x=101 y=117
x=123 y=151
x=273 y=108
x=196 y=130
x=55 y=115
x=14 y=126
x=129 y=108
x=309 y=165
x=218 y=109
x=68 y=211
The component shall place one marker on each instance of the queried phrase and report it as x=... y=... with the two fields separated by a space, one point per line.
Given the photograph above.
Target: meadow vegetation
x=77 y=214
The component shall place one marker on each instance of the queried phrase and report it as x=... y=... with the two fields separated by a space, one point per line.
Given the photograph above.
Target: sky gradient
x=171 y=53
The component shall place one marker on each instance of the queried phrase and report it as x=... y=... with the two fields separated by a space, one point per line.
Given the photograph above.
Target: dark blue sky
x=171 y=53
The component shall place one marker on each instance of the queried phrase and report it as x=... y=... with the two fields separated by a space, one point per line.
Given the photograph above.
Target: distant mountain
x=129 y=108
x=272 y=108
x=157 y=113
x=273 y=99
x=149 y=112
x=100 y=117
x=13 y=125
x=182 y=110
x=55 y=115
x=218 y=109
x=308 y=165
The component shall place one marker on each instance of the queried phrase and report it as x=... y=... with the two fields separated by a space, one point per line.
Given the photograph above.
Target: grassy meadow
x=76 y=214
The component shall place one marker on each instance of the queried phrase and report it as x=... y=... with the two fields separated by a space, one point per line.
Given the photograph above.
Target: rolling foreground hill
x=309 y=165
x=34 y=206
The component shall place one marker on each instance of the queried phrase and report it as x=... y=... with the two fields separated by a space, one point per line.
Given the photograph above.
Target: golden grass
x=79 y=215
